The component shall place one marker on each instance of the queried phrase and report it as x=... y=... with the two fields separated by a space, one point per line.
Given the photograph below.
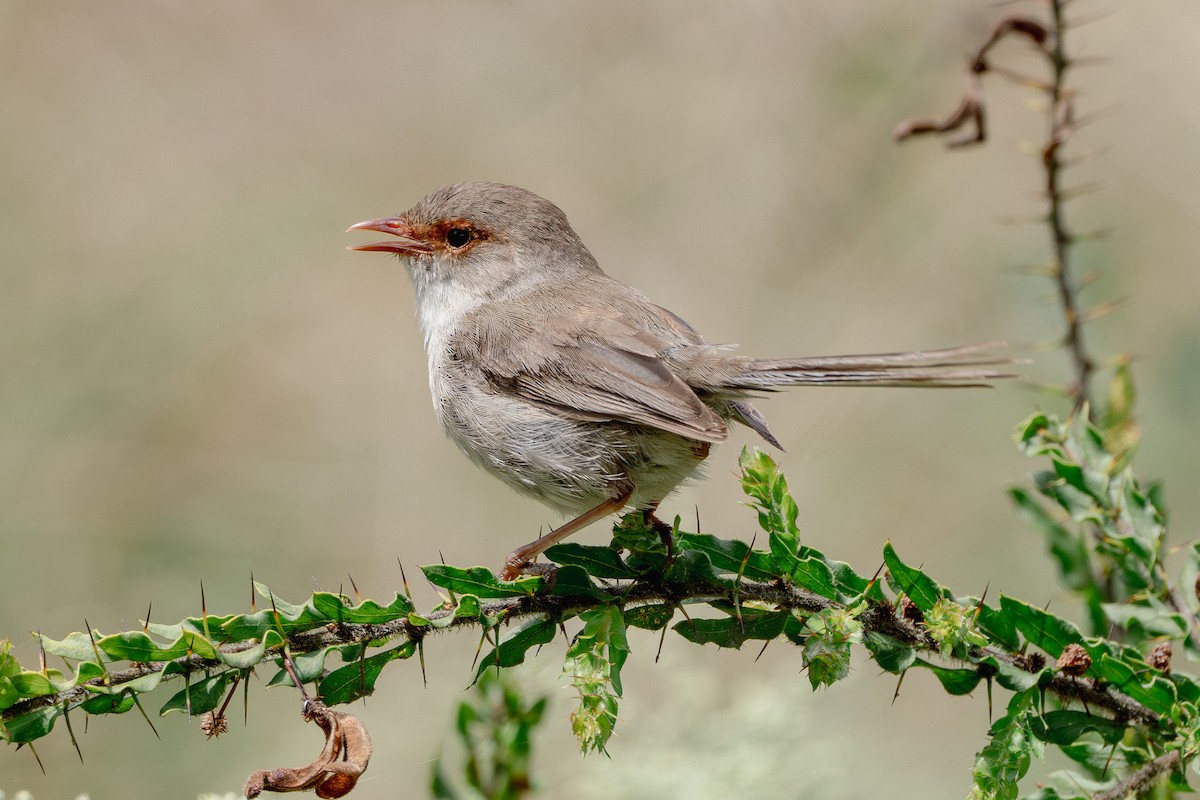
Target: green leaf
x=998 y=627
x=954 y=681
x=889 y=653
x=766 y=486
x=572 y=580
x=108 y=704
x=1010 y=749
x=205 y=694
x=480 y=582
x=513 y=649
x=653 y=617
x=1068 y=547
x=1065 y=726
x=1147 y=621
x=691 y=567
x=731 y=632
x=368 y=612
x=33 y=725
x=729 y=556
x=137 y=646
x=1144 y=685
x=919 y=587
x=1041 y=628
x=814 y=575
x=357 y=679
x=76 y=647
x=599 y=562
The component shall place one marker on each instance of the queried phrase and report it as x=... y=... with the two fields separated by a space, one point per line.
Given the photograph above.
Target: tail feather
x=970 y=366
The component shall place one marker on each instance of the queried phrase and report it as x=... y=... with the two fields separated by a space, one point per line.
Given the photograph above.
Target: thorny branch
x=1049 y=41
x=880 y=618
x=1140 y=781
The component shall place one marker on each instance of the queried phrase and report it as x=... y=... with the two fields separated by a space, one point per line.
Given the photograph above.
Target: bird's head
x=481 y=236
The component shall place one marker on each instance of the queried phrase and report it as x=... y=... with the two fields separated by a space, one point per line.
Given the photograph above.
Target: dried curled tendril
x=335 y=771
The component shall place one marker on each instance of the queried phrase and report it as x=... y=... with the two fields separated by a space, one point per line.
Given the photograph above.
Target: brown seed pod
x=1074 y=660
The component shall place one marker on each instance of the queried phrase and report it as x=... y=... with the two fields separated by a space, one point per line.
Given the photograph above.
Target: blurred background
x=197 y=382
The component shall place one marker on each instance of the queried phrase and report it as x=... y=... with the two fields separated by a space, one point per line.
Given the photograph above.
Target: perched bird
x=574 y=388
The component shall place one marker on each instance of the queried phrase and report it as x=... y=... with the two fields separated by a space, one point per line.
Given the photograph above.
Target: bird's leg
x=518 y=558
x=665 y=532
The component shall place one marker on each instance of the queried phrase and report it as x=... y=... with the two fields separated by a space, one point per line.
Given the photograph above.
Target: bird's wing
x=594 y=365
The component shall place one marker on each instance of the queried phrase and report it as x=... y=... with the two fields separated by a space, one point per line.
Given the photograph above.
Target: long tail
x=973 y=365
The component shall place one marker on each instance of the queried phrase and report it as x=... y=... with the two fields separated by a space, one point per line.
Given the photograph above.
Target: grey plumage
x=570 y=385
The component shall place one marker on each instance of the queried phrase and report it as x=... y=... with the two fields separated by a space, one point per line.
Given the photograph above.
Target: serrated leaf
x=1068 y=547
x=954 y=681
x=205 y=695
x=814 y=575
x=572 y=580
x=889 y=653
x=1065 y=726
x=919 y=587
x=513 y=649
x=245 y=659
x=34 y=684
x=357 y=679
x=137 y=646
x=1146 y=686
x=1043 y=629
x=31 y=726
x=1147 y=621
x=108 y=704
x=730 y=632
x=368 y=612
x=729 y=556
x=480 y=582
x=599 y=562
x=76 y=647
x=692 y=567
x=468 y=607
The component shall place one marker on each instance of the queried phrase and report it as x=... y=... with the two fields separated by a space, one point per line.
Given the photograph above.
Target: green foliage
x=594 y=662
x=1108 y=706
x=495 y=726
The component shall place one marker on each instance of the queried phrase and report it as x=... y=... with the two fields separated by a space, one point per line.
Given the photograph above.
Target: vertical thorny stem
x=1061 y=120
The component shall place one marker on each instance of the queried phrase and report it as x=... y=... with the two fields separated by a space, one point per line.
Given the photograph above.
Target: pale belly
x=569 y=465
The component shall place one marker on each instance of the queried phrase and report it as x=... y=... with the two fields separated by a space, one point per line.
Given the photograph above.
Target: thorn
x=36 y=756
x=253 y=594
x=1104 y=309
x=41 y=652
x=404 y=579
x=1080 y=190
x=763 y=650
x=145 y=716
x=354 y=588
x=697 y=519
x=1108 y=761
x=246 y=702
x=146 y=622
x=683 y=611
x=421 y=659
x=662 y=638
x=96 y=650
x=204 y=613
x=71 y=731
x=989 y=685
x=899 y=683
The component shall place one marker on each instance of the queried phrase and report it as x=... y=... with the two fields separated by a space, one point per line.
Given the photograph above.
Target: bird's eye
x=457 y=237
